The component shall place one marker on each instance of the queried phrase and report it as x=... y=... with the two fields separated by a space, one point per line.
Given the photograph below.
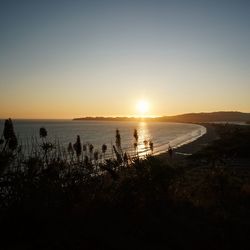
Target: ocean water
x=162 y=134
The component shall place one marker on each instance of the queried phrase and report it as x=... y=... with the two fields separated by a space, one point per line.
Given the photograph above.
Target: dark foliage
x=8 y=131
x=104 y=148
x=233 y=143
x=136 y=135
x=9 y=136
x=78 y=146
x=54 y=202
x=118 y=139
x=42 y=132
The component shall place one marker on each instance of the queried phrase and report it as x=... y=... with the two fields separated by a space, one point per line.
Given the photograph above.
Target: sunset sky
x=65 y=59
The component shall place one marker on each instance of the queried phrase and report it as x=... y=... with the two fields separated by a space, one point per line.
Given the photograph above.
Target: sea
x=97 y=133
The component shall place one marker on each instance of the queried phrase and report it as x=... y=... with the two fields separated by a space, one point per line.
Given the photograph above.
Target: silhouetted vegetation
x=233 y=143
x=78 y=199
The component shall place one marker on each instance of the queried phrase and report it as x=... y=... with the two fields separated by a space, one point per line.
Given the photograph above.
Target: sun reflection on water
x=144 y=138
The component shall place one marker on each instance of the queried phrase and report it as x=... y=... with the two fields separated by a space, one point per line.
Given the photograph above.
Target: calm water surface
x=162 y=134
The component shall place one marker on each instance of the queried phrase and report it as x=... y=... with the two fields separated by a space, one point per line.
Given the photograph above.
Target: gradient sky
x=65 y=59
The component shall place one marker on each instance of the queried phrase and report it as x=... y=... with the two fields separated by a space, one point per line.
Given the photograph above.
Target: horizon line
x=129 y=116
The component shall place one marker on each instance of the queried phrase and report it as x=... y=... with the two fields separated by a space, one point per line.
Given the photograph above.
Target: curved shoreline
x=195 y=145
x=202 y=131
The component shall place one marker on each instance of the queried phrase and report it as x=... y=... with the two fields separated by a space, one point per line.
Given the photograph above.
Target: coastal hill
x=222 y=116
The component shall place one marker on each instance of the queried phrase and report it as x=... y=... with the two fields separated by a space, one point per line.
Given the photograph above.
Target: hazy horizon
x=113 y=116
x=68 y=59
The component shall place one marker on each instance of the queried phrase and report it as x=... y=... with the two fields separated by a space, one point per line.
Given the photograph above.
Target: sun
x=142 y=107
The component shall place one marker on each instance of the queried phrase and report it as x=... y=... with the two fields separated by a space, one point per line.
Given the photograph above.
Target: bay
x=162 y=134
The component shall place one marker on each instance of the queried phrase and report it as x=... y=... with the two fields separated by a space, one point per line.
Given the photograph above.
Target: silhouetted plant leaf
x=8 y=130
x=104 y=148
x=77 y=146
x=118 y=139
x=151 y=146
x=42 y=132
x=136 y=135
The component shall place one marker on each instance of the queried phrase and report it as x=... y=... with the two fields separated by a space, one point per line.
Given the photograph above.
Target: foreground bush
x=53 y=200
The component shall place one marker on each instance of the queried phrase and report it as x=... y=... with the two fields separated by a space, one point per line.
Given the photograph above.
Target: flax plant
x=78 y=148
x=136 y=137
x=104 y=149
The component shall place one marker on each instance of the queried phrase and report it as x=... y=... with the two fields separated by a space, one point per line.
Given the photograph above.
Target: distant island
x=221 y=116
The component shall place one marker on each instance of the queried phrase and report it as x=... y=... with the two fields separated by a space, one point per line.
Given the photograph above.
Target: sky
x=65 y=59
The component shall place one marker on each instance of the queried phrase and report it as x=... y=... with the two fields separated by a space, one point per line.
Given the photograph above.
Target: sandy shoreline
x=194 y=146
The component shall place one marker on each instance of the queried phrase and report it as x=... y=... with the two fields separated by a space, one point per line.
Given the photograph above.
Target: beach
x=202 y=141
x=194 y=146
